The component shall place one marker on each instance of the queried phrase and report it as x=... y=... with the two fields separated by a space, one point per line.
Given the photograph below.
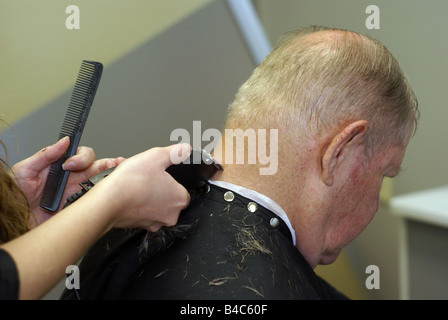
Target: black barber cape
x=234 y=249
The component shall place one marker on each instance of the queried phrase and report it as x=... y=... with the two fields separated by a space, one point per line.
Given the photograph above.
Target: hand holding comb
x=75 y=119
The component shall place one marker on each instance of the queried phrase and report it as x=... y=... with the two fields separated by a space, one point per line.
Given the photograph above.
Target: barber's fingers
x=83 y=158
x=181 y=202
x=153 y=227
x=46 y=156
x=177 y=154
x=97 y=166
x=117 y=161
x=106 y=163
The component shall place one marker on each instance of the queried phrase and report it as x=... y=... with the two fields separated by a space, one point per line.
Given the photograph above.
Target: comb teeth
x=79 y=107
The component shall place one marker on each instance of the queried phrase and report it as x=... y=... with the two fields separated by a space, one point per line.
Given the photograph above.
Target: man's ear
x=342 y=147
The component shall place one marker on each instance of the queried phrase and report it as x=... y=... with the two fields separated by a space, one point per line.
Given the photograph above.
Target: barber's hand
x=31 y=174
x=142 y=193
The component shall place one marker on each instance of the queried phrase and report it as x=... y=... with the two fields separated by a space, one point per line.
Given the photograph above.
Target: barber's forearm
x=42 y=254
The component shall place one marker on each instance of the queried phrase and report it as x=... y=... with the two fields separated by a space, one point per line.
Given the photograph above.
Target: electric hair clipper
x=193 y=173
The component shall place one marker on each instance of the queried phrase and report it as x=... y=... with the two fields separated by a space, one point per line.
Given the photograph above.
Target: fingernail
x=65 y=138
x=178 y=152
x=186 y=147
x=68 y=165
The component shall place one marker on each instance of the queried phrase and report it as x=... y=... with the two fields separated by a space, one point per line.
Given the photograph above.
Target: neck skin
x=293 y=187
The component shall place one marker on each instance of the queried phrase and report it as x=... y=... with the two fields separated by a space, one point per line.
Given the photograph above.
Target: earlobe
x=350 y=139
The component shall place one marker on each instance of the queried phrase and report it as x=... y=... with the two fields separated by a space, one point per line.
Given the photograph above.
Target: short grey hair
x=309 y=83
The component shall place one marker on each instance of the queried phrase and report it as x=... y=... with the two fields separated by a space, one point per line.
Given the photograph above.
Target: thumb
x=46 y=156
x=177 y=153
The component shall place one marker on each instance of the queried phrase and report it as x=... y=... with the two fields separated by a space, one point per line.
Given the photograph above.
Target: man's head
x=319 y=78
x=345 y=113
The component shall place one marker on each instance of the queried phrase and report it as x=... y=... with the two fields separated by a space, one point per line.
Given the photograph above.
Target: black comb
x=75 y=119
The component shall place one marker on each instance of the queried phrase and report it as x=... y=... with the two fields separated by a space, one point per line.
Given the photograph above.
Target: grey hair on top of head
x=319 y=78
